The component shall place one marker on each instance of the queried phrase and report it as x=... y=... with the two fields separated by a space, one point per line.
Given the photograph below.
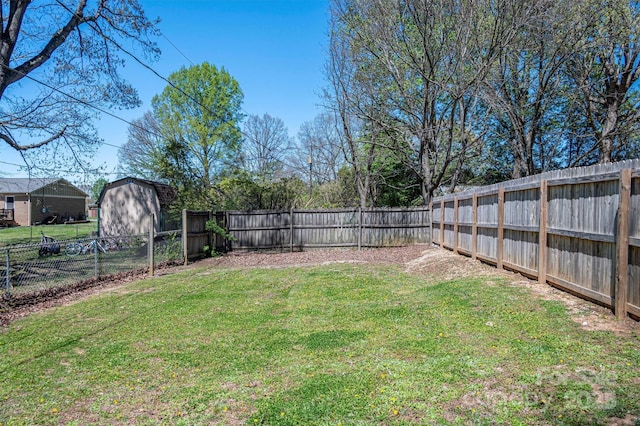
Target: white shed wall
x=126 y=208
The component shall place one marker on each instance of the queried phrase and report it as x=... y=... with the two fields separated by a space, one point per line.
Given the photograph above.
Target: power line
x=175 y=47
x=108 y=113
x=149 y=67
x=97 y=30
x=81 y=101
x=53 y=170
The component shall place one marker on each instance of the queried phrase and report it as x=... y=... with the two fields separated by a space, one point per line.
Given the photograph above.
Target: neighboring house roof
x=30 y=185
x=166 y=194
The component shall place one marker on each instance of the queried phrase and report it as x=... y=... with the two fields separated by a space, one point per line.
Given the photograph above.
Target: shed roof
x=29 y=185
x=166 y=194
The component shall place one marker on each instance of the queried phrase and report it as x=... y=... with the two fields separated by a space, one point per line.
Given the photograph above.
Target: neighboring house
x=125 y=206
x=31 y=201
x=92 y=211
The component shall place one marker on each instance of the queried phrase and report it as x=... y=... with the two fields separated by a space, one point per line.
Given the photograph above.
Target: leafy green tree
x=198 y=114
x=394 y=185
x=341 y=192
x=97 y=186
x=58 y=59
x=241 y=190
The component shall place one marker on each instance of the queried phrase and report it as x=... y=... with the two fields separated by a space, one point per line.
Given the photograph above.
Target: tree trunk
x=519 y=161
x=608 y=128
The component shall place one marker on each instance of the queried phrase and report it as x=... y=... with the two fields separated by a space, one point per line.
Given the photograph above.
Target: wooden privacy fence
x=196 y=236
x=576 y=229
x=296 y=230
x=301 y=229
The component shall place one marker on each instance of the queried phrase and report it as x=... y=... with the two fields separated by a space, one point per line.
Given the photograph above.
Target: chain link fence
x=37 y=270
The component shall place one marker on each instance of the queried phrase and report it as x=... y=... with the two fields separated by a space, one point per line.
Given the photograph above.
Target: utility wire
x=108 y=113
x=150 y=68
x=93 y=26
x=98 y=31
x=174 y=46
x=81 y=101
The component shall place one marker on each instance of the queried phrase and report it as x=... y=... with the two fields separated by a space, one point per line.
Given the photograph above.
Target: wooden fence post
x=474 y=227
x=291 y=229
x=185 y=237
x=455 y=225
x=442 y=222
x=152 y=218
x=542 y=234
x=8 y=281
x=500 y=247
x=359 y=228
x=430 y=222
x=212 y=239
x=622 y=242
x=228 y=241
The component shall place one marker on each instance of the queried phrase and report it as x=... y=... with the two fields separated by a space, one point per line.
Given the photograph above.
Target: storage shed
x=28 y=201
x=125 y=206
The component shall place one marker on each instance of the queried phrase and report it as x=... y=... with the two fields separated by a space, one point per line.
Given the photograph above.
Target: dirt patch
x=434 y=264
x=443 y=265
x=382 y=256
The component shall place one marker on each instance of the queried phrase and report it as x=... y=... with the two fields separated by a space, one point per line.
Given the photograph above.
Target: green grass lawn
x=31 y=234
x=329 y=345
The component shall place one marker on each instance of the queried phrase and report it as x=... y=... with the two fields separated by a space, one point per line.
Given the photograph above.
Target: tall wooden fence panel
x=195 y=234
x=261 y=229
x=581 y=232
x=521 y=229
x=394 y=227
x=325 y=228
x=297 y=230
x=633 y=297
x=487 y=224
x=436 y=211
x=465 y=225
x=576 y=229
x=448 y=209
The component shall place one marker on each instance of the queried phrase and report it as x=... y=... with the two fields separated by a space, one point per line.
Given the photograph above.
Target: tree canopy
x=422 y=96
x=198 y=115
x=264 y=146
x=60 y=62
x=462 y=91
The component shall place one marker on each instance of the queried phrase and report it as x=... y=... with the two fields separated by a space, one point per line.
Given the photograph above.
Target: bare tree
x=139 y=156
x=66 y=55
x=350 y=99
x=319 y=142
x=526 y=88
x=606 y=69
x=266 y=142
x=427 y=58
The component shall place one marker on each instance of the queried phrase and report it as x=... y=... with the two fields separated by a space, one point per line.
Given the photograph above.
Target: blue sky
x=275 y=49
